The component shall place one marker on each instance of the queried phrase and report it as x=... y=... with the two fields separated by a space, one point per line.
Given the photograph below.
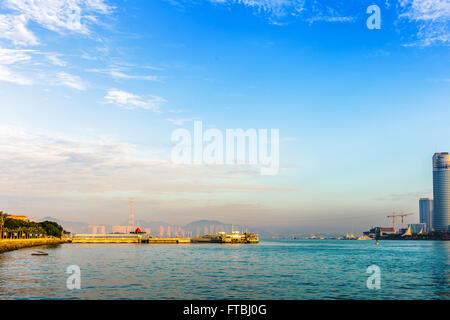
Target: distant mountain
x=74 y=227
x=201 y=227
x=202 y=223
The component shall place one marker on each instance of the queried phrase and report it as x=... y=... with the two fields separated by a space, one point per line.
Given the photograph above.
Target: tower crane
x=401 y=215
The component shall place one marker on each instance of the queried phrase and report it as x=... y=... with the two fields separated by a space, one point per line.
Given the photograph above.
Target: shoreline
x=15 y=244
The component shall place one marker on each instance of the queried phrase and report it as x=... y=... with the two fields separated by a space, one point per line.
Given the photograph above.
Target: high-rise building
x=123 y=229
x=98 y=229
x=441 y=191
x=426 y=212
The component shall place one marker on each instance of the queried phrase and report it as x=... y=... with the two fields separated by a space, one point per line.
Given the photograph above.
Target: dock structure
x=106 y=238
x=140 y=237
x=166 y=240
x=123 y=238
x=222 y=237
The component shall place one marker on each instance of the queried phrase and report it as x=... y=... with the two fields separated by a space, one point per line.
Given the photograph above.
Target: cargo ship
x=222 y=237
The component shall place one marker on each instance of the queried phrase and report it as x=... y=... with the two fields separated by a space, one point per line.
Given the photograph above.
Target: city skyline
x=88 y=103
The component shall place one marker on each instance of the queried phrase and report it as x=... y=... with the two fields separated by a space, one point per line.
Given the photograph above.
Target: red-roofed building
x=19 y=217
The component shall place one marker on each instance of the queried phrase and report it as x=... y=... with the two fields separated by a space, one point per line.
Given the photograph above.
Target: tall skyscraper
x=441 y=191
x=426 y=212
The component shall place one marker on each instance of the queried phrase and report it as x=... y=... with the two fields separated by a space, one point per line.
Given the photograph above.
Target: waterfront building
x=377 y=232
x=426 y=213
x=123 y=229
x=18 y=217
x=441 y=191
x=386 y=231
x=98 y=229
x=417 y=227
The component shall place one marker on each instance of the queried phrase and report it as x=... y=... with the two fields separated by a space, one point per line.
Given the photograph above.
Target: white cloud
x=432 y=18
x=55 y=59
x=70 y=81
x=131 y=101
x=178 y=122
x=12 y=56
x=119 y=74
x=55 y=15
x=426 y=10
x=273 y=7
x=13 y=28
x=280 y=12
x=330 y=19
x=19 y=66
x=7 y=75
x=9 y=58
x=41 y=163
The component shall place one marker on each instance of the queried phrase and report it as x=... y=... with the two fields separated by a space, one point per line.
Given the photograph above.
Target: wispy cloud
x=13 y=28
x=9 y=58
x=432 y=19
x=273 y=7
x=280 y=12
x=100 y=164
x=21 y=66
x=7 y=75
x=12 y=56
x=128 y=100
x=70 y=81
x=56 y=60
x=56 y=15
x=121 y=73
x=178 y=122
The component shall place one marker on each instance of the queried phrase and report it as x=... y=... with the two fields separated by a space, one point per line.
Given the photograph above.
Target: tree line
x=19 y=229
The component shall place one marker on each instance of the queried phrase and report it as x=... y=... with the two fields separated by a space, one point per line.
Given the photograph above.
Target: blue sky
x=91 y=90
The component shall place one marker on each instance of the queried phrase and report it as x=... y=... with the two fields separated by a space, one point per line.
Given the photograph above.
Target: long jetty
x=124 y=238
x=221 y=237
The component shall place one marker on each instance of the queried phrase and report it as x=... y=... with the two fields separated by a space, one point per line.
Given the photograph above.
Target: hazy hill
x=75 y=227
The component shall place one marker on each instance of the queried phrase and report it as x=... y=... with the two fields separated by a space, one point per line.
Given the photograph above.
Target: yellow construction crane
x=402 y=215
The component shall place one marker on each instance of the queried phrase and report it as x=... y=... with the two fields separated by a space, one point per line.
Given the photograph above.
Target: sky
x=92 y=90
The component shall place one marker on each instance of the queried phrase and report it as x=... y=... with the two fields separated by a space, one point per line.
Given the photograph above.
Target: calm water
x=309 y=269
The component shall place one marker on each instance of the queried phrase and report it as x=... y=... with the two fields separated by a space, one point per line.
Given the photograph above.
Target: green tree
x=21 y=227
x=2 y=222
x=52 y=228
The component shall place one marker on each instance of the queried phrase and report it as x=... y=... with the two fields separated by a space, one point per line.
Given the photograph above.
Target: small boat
x=39 y=253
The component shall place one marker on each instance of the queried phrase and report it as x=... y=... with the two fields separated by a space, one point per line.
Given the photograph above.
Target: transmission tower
x=131 y=217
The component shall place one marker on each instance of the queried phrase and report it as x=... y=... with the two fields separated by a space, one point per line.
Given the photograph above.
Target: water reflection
x=324 y=269
x=441 y=268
